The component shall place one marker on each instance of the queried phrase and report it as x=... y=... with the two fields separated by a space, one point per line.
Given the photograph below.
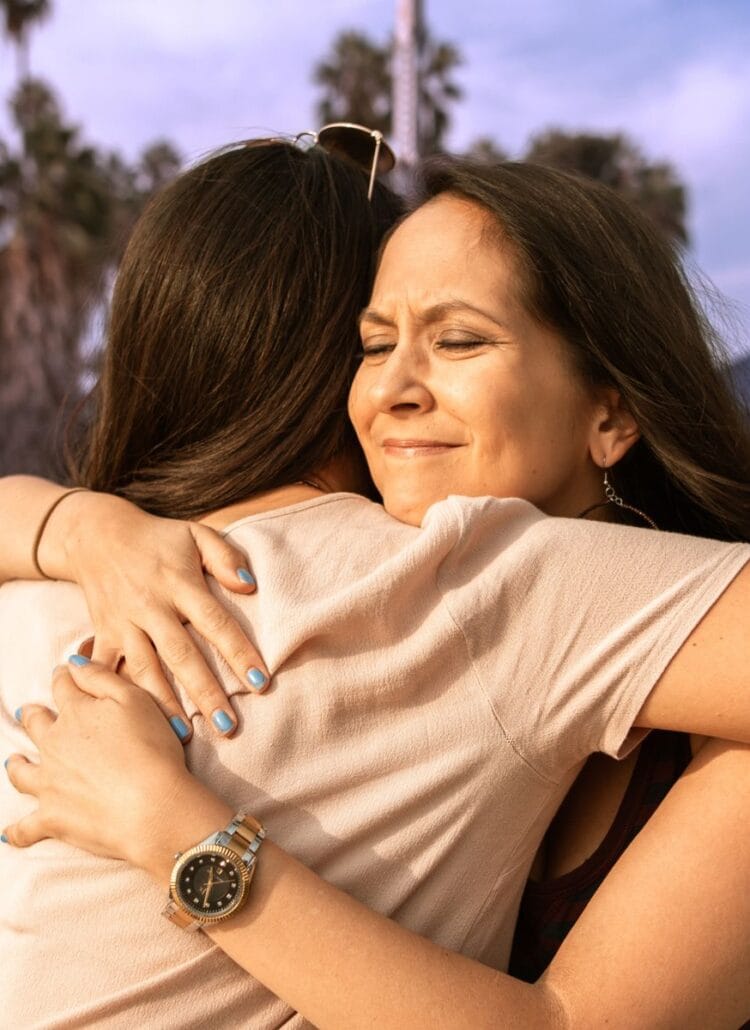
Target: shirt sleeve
x=569 y=624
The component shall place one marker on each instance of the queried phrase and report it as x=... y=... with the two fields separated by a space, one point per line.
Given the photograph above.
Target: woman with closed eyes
x=440 y=667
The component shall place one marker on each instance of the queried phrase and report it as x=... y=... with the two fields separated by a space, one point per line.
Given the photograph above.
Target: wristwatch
x=211 y=880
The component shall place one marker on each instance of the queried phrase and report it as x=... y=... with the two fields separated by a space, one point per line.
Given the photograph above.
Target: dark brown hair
x=232 y=338
x=595 y=270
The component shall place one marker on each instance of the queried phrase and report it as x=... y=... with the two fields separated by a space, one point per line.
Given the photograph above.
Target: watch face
x=210 y=883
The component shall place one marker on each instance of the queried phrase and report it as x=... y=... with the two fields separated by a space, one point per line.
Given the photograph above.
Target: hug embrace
x=473 y=495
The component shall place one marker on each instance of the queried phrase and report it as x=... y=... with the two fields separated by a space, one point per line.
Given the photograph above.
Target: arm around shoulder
x=663 y=942
x=24 y=503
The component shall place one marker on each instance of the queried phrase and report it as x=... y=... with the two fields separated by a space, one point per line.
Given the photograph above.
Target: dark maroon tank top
x=549 y=910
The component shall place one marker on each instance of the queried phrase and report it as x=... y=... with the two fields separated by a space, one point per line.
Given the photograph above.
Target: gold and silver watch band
x=179 y=916
x=244 y=835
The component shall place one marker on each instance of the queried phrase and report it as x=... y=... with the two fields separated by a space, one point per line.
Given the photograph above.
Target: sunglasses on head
x=356 y=144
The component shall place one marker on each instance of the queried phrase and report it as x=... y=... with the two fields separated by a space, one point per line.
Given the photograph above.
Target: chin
x=410 y=510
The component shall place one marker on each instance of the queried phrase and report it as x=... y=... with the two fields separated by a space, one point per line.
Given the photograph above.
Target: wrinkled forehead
x=448 y=247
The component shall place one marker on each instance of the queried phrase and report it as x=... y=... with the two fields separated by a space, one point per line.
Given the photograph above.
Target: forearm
x=339 y=963
x=663 y=943
x=24 y=501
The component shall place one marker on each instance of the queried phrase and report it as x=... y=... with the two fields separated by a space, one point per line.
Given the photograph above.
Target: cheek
x=357 y=408
x=500 y=415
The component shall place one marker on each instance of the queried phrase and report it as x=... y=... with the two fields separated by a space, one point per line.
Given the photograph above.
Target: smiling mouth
x=416 y=448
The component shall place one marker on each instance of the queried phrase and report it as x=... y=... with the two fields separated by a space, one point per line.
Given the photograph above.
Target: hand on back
x=144 y=581
x=110 y=776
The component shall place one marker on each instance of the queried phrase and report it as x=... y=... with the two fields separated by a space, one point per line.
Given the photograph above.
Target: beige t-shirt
x=435 y=691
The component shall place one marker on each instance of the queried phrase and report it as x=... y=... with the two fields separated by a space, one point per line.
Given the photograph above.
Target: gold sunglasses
x=357 y=144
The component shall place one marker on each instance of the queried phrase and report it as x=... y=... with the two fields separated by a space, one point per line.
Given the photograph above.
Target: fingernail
x=78 y=659
x=180 y=727
x=222 y=721
x=5 y=763
x=246 y=576
x=4 y=839
x=18 y=714
x=256 y=678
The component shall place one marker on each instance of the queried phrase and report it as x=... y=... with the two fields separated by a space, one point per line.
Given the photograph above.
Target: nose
x=399 y=385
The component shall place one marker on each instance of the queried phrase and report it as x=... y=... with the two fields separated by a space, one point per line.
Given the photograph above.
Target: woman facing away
x=477 y=372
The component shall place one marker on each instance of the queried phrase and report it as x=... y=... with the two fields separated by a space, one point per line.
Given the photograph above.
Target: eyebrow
x=432 y=314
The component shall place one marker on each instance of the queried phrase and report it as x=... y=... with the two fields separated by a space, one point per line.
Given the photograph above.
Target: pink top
x=436 y=690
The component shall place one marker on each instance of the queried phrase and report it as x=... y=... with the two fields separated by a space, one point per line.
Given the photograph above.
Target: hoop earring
x=612 y=497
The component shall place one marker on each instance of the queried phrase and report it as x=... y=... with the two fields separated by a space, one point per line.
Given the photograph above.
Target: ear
x=613 y=429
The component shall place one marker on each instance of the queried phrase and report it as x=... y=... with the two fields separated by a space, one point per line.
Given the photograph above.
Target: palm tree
x=57 y=217
x=20 y=16
x=356 y=83
x=616 y=161
x=356 y=80
x=65 y=210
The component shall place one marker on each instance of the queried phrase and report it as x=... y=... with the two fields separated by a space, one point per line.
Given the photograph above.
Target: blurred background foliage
x=67 y=207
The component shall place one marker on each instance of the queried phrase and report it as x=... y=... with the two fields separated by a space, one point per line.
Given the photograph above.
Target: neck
x=343 y=474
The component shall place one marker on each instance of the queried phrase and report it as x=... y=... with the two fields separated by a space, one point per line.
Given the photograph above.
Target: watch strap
x=243 y=835
x=179 y=916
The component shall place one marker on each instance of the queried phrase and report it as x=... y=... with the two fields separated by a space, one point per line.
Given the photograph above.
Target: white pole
x=406 y=86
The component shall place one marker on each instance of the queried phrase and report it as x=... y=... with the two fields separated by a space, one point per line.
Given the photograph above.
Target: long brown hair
x=595 y=270
x=232 y=338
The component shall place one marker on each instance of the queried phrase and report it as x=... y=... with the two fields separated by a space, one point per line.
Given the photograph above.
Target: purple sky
x=674 y=74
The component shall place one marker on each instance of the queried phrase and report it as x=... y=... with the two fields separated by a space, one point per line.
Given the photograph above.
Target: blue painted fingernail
x=246 y=576
x=222 y=721
x=5 y=763
x=18 y=714
x=4 y=839
x=256 y=678
x=78 y=659
x=180 y=727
